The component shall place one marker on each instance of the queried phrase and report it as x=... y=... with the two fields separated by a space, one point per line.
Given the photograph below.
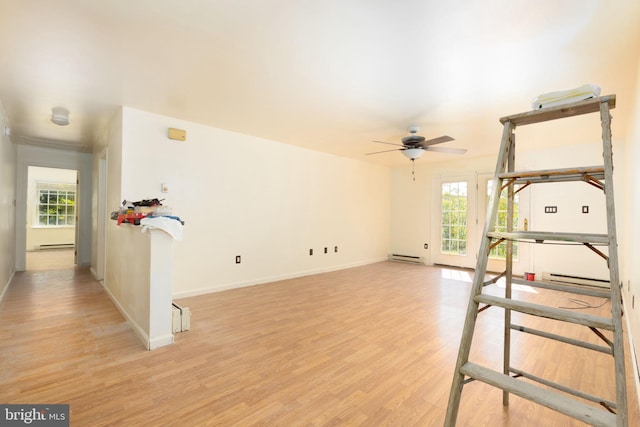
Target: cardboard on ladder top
x=590 y=409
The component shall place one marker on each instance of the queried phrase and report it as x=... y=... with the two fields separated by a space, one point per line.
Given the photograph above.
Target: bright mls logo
x=34 y=415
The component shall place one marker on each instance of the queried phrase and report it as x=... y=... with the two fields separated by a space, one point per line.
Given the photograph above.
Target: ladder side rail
x=478 y=280
x=506 y=359
x=616 y=297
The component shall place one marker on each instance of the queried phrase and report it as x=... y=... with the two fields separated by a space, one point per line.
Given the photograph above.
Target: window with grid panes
x=453 y=240
x=55 y=205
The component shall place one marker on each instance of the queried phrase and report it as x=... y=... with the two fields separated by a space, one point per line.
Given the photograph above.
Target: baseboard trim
x=269 y=279
x=634 y=354
x=156 y=342
x=6 y=286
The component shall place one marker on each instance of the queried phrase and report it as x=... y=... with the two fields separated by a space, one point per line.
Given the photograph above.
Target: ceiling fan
x=414 y=145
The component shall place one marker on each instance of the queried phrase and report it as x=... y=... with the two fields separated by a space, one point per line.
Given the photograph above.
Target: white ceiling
x=329 y=75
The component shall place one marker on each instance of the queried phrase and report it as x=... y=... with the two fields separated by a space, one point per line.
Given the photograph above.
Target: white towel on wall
x=168 y=225
x=554 y=99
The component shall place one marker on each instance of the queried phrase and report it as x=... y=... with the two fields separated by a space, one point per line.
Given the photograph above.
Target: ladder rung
x=547 y=312
x=541 y=236
x=572 y=289
x=560 y=112
x=560 y=338
x=553 y=400
x=555 y=175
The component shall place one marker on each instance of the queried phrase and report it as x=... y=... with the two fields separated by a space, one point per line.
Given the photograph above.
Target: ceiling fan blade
x=385 y=151
x=439 y=140
x=447 y=150
x=389 y=143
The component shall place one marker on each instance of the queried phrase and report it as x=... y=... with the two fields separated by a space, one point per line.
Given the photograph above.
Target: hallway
x=57 y=324
x=54 y=259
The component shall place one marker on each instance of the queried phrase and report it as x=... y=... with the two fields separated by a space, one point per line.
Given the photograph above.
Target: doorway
x=459 y=212
x=51 y=218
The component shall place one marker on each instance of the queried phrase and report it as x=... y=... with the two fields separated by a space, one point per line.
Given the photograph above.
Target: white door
x=454 y=228
x=460 y=213
x=521 y=216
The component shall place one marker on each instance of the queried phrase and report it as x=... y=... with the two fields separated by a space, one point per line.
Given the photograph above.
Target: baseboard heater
x=55 y=246
x=576 y=280
x=181 y=317
x=405 y=258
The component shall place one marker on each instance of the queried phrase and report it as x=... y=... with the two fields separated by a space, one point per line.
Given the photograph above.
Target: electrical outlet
x=426 y=246
x=310 y=251
x=238 y=259
x=335 y=249
x=326 y=250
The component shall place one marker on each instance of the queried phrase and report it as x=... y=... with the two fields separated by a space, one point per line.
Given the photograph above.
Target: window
x=500 y=251
x=454 y=218
x=56 y=204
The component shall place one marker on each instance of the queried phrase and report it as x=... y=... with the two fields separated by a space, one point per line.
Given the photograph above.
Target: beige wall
x=631 y=197
x=7 y=205
x=265 y=201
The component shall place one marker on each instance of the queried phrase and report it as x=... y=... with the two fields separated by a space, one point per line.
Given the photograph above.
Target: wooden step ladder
x=574 y=403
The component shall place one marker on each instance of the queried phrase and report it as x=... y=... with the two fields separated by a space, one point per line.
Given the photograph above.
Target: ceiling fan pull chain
x=413 y=169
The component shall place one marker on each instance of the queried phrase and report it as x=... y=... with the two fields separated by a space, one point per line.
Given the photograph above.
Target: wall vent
x=181 y=318
x=576 y=280
x=405 y=258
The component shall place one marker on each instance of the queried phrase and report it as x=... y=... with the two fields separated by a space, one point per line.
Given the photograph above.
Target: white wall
x=36 y=235
x=631 y=234
x=7 y=205
x=265 y=201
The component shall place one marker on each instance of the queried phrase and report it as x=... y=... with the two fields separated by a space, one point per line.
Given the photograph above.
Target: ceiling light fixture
x=60 y=116
x=413 y=153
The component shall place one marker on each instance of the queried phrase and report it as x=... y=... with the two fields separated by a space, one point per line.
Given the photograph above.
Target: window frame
x=69 y=211
x=450 y=229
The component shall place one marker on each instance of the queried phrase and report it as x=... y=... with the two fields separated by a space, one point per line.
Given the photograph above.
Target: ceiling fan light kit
x=413 y=153
x=413 y=146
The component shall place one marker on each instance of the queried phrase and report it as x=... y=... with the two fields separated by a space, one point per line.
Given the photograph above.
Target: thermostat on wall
x=177 y=134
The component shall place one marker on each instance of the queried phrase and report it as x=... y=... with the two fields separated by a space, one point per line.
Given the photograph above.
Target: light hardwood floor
x=373 y=345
